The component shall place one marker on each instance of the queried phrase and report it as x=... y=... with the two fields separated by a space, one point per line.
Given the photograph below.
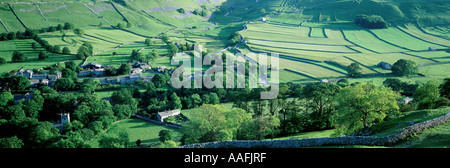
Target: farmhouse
x=141 y=65
x=35 y=79
x=92 y=69
x=92 y=65
x=27 y=73
x=162 y=115
x=432 y=48
x=384 y=65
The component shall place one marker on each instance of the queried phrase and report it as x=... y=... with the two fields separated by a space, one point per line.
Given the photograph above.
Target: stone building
x=162 y=115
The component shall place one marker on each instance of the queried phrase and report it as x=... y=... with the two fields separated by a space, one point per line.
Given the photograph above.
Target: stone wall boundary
x=344 y=140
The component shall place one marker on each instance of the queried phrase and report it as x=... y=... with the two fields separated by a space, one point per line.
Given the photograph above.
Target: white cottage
x=162 y=115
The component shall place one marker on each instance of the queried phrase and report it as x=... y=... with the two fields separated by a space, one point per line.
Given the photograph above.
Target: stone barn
x=162 y=115
x=384 y=65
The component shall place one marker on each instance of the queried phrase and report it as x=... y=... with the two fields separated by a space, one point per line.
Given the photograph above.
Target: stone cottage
x=162 y=115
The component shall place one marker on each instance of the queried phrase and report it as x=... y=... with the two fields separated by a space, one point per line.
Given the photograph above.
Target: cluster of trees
x=49 y=48
x=181 y=10
x=216 y=123
x=371 y=21
x=351 y=108
x=201 y=12
x=85 y=50
x=234 y=39
x=125 y=68
x=31 y=33
x=402 y=67
x=18 y=57
x=14 y=83
x=122 y=26
x=27 y=124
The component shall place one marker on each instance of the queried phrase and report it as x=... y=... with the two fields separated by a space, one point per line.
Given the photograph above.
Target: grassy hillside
x=316 y=39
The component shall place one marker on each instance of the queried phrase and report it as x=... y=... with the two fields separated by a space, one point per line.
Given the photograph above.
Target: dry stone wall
x=345 y=140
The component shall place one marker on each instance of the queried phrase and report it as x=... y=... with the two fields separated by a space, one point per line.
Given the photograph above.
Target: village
x=139 y=71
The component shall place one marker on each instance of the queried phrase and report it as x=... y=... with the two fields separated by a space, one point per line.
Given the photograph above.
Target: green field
x=137 y=129
x=33 y=62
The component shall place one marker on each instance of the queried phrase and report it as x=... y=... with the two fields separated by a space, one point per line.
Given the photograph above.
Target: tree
x=159 y=80
x=64 y=84
x=172 y=49
x=196 y=100
x=129 y=25
x=206 y=125
x=166 y=144
x=403 y=87
x=148 y=42
x=354 y=70
x=124 y=69
x=114 y=141
x=43 y=55
x=165 y=38
x=34 y=45
x=165 y=135
x=362 y=105
x=343 y=83
x=78 y=32
x=124 y=96
x=320 y=97
x=18 y=57
x=122 y=111
x=89 y=85
x=11 y=36
x=11 y=142
x=120 y=26
x=83 y=52
x=404 y=68
x=138 y=142
x=44 y=134
x=181 y=10
x=71 y=65
x=371 y=22
x=66 y=51
x=153 y=55
x=18 y=83
x=68 y=73
x=213 y=98
x=68 y=26
x=33 y=106
x=426 y=94
x=2 y=61
x=176 y=102
x=6 y=98
x=137 y=55
x=259 y=128
x=445 y=88
x=56 y=49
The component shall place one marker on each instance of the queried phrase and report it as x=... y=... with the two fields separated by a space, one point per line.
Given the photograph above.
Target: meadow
x=33 y=62
x=137 y=129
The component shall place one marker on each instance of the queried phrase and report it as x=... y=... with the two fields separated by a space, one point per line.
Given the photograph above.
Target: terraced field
x=315 y=39
x=33 y=62
x=9 y=20
x=321 y=47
